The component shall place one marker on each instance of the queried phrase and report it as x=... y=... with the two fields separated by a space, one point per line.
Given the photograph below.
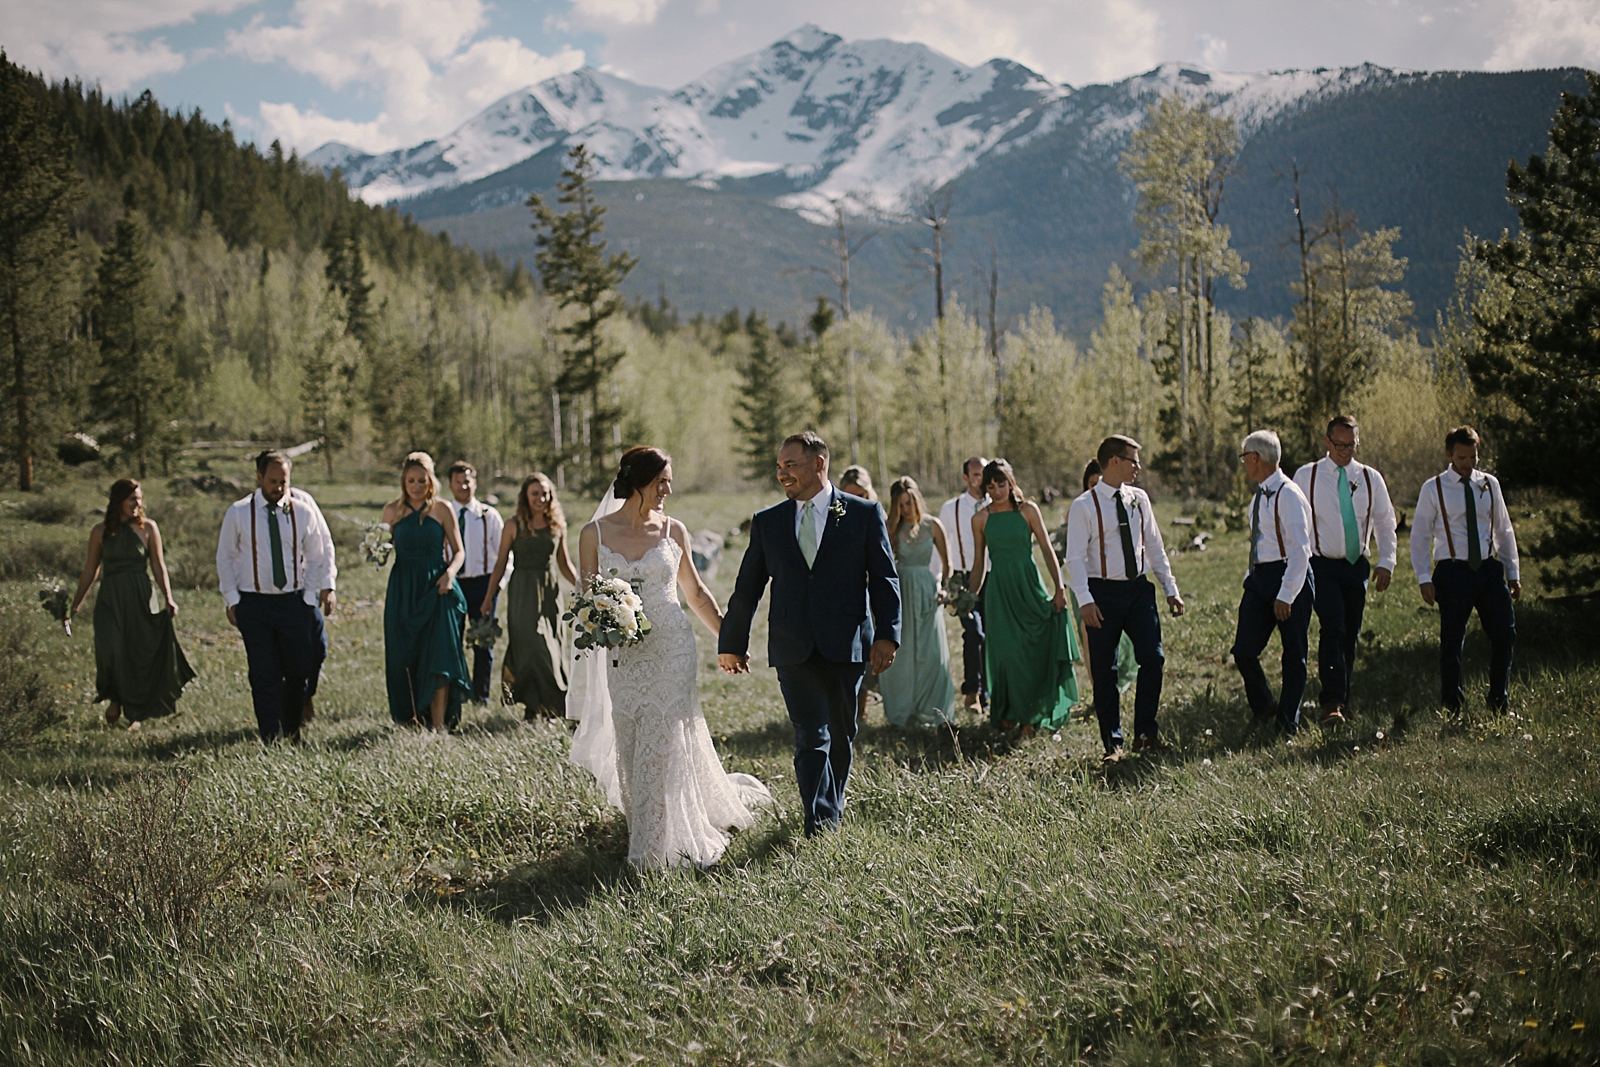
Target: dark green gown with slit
x=137 y=660
x=421 y=629
x=1029 y=647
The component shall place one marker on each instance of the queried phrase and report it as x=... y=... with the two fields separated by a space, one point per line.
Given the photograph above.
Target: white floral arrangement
x=378 y=545
x=607 y=613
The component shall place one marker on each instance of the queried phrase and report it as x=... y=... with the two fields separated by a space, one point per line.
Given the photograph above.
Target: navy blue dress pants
x=821 y=698
x=972 y=680
x=1257 y=620
x=285 y=642
x=1125 y=607
x=1341 y=601
x=1458 y=589
x=482 y=658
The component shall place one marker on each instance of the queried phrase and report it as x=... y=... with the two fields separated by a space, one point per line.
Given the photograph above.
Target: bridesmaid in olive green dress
x=1029 y=645
x=423 y=610
x=139 y=667
x=536 y=660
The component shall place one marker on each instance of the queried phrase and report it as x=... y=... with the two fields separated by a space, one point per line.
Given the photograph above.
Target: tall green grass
x=1412 y=888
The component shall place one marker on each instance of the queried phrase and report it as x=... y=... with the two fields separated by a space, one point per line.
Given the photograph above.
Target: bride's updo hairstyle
x=639 y=467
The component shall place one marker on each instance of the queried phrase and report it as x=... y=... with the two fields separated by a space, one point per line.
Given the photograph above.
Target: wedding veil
x=594 y=745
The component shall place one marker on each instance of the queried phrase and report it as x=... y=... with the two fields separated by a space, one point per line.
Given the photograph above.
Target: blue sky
x=381 y=74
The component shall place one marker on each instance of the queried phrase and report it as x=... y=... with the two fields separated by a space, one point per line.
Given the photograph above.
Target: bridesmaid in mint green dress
x=424 y=610
x=1029 y=644
x=917 y=690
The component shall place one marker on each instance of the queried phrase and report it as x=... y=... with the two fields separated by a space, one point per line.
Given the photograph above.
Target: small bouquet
x=378 y=545
x=54 y=599
x=483 y=632
x=958 y=596
x=607 y=613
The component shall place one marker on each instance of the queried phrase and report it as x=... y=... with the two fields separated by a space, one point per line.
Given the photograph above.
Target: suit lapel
x=833 y=526
x=788 y=536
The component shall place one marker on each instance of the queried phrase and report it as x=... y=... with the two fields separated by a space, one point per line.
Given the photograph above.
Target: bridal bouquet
x=378 y=545
x=958 y=597
x=607 y=613
x=54 y=599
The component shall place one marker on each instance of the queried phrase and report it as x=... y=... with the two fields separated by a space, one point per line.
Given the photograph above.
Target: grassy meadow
x=1409 y=889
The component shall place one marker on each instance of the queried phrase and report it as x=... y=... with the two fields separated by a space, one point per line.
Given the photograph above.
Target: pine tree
x=328 y=368
x=138 y=391
x=763 y=410
x=575 y=269
x=38 y=188
x=1538 y=348
x=347 y=275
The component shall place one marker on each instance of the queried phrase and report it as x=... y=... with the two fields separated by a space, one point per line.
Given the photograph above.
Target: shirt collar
x=1274 y=481
x=1111 y=491
x=473 y=506
x=1462 y=481
x=283 y=501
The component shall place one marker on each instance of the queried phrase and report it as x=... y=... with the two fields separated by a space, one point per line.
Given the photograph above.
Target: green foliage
x=30 y=704
x=575 y=269
x=1538 y=323
x=38 y=190
x=138 y=392
x=765 y=412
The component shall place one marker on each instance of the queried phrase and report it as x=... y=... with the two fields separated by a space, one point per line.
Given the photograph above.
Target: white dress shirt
x=244 y=552
x=1094 y=542
x=956 y=518
x=1448 y=539
x=819 y=517
x=1285 y=519
x=1369 y=494
x=481 y=527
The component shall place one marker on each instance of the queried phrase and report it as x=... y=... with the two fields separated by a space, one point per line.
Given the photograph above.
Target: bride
x=667 y=777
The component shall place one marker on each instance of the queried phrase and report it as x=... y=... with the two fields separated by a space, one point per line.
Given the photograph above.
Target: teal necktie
x=808 y=532
x=1474 y=553
x=1255 y=529
x=1347 y=512
x=279 y=578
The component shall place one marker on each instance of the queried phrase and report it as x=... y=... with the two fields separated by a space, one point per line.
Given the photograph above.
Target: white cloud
x=1213 y=50
x=418 y=57
x=625 y=12
x=1548 y=33
x=98 y=40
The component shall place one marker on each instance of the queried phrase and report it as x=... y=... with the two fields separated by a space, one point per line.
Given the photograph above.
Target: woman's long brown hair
x=121 y=490
x=552 y=508
x=998 y=470
x=903 y=487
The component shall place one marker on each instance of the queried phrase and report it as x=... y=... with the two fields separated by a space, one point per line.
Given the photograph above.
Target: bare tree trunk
x=1184 y=443
x=1313 y=328
x=555 y=433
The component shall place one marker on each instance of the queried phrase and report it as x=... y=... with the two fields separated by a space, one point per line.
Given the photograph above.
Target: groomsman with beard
x=1355 y=505
x=481 y=526
x=956 y=518
x=1464 y=529
x=276 y=568
x=1278 y=589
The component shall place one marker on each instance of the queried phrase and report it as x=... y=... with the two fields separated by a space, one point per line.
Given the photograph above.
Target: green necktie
x=1474 y=553
x=1347 y=512
x=279 y=578
x=808 y=532
x=1255 y=529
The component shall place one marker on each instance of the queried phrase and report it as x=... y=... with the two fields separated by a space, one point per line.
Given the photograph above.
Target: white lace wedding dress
x=679 y=802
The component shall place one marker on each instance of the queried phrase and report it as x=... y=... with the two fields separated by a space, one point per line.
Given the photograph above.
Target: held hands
x=1175 y=605
x=882 y=654
x=1380 y=578
x=734 y=663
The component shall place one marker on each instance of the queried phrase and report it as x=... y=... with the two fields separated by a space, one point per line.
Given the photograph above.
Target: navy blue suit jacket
x=822 y=608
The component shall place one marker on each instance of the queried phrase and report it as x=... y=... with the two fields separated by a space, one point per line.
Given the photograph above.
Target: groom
x=827 y=556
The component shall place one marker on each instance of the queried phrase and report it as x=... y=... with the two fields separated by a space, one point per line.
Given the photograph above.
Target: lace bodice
x=655 y=578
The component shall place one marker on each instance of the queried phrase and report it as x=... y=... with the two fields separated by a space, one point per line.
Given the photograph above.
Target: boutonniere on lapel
x=836 y=509
x=1482 y=487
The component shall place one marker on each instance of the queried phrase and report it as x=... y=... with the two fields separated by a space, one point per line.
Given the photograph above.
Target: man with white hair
x=1278 y=590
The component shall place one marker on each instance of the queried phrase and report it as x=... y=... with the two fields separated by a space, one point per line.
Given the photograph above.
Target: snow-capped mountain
x=872 y=121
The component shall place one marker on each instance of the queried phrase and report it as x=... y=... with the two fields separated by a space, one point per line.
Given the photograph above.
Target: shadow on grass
x=562 y=881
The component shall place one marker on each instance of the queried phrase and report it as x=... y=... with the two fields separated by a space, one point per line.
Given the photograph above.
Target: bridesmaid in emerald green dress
x=536 y=660
x=1029 y=645
x=424 y=611
x=138 y=665
x=917 y=689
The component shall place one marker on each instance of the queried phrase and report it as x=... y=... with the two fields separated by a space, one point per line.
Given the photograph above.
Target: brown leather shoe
x=1150 y=744
x=1333 y=715
x=1113 y=755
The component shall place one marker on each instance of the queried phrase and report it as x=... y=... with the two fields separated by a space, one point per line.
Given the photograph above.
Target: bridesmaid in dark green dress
x=536 y=659
x=424 y=611
x=139 y=667
x=1029 y=644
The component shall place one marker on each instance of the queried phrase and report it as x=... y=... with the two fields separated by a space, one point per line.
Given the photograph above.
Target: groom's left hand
x=882 y=654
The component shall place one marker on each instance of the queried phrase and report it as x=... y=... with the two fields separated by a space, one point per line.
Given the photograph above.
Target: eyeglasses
x=1342 y=446
x=1244 y=454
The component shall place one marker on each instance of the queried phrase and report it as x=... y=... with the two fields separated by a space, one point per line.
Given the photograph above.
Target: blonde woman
x=536 y=665
x=424 y=610
x=917 y=689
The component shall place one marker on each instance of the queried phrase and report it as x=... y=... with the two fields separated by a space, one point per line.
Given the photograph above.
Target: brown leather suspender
x=1277 y=522
x=1100 y=520
x=255 y=565
x=1316 y=534
x=1444 y=516
x=294 y=543
x=961 y=546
